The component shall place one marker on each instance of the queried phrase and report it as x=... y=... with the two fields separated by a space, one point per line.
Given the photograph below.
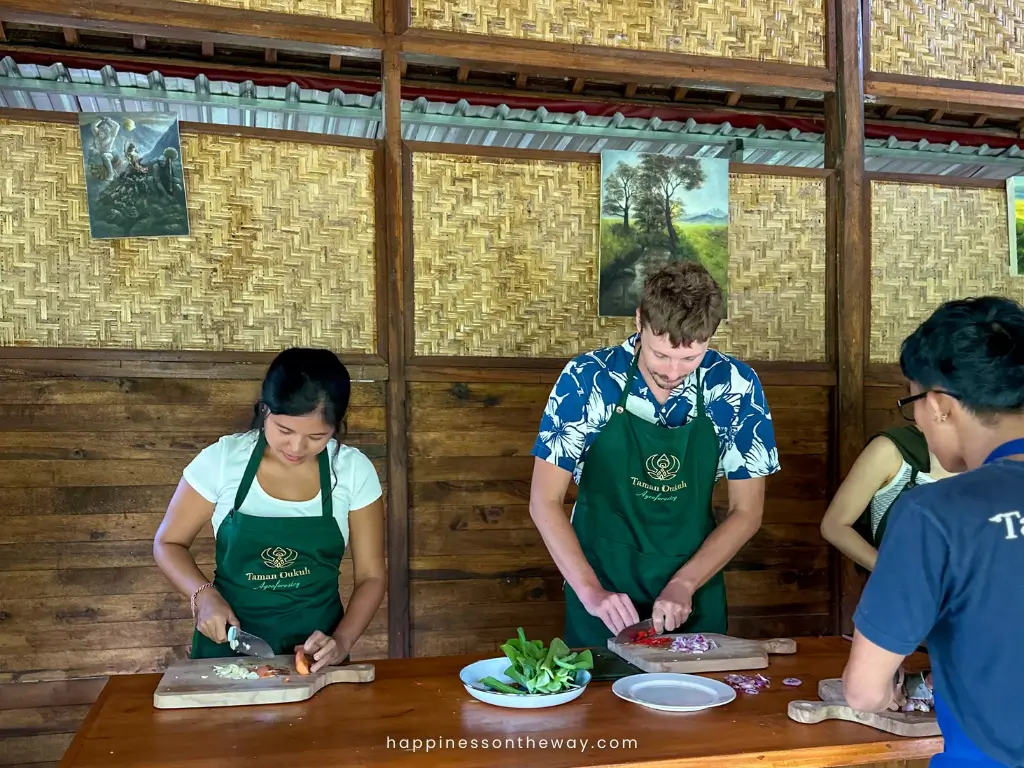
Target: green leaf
x=585 y=660
x=497 y=685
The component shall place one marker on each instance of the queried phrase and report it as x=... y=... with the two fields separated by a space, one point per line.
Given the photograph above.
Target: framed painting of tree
x=656 y=209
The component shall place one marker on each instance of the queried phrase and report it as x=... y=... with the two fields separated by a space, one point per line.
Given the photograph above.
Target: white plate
x=673 y=692
x=472 y=674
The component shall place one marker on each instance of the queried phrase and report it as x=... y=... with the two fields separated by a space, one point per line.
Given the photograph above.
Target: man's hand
x=673 y=607
x=615 y=609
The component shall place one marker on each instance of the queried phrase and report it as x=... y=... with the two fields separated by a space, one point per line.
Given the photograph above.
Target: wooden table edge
x=71 y=753
x=901 y=748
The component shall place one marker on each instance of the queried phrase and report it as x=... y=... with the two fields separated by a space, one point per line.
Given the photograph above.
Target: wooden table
x=391 y=722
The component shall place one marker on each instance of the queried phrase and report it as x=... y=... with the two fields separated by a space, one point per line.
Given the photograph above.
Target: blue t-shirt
x=950 y=571
x=582 y=400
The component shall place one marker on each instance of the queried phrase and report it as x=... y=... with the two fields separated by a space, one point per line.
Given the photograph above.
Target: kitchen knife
x=627 y=635
x=249 y=644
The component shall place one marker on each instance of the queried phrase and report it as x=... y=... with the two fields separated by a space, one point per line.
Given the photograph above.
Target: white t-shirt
x=217 y=472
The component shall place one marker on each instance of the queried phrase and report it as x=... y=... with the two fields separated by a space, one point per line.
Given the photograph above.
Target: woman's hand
x=213 y=615
x=323 y=650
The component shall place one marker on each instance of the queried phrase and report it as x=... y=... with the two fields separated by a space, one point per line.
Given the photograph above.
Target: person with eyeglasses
x=950 y=570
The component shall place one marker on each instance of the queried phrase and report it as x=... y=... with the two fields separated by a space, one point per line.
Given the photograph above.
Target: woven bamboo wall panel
x=791 y=31
x=345 y=10
x=930 y=244
x=949 y=39
x=281 y=251
x=505 y=262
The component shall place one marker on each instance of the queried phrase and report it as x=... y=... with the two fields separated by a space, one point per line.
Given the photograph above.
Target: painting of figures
x=133 y=174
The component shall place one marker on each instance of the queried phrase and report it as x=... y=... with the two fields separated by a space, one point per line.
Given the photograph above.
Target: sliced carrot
x=266 y=671
x=301 y=665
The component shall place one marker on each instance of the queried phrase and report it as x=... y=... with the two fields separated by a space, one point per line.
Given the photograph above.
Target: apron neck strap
x=326 y=501
x=629 y=379
x=250 y=470
x=252 y=467
x=1009 y=448
x=632 y=374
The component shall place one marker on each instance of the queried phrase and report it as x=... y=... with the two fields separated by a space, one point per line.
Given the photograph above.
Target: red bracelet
x=195 y=594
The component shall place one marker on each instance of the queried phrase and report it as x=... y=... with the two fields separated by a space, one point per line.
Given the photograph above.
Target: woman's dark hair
x=300 y=381
x=974 y=349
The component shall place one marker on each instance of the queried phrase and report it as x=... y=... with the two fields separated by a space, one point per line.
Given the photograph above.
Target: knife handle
x=779 y=645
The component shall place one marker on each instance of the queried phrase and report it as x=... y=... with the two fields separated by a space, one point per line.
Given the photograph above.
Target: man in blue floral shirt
x=646 y=429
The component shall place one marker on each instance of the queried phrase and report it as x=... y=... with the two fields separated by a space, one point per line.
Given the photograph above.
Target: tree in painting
x=657 y=209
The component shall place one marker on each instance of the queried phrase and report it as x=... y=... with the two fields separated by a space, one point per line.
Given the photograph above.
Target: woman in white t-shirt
x=285 y=500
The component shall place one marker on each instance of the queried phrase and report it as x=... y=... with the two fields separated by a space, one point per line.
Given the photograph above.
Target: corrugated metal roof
x=68 y=89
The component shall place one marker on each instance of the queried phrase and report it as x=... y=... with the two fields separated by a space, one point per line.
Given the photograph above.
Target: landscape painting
x=657 y=209
x=134 y=178
x=1015 y=211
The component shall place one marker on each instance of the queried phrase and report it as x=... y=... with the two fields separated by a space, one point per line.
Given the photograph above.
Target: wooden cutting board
x=732 y=653
x=193 y=683
x=834 y=707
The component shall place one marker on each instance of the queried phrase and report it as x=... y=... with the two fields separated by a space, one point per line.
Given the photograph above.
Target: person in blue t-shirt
x=950 y=569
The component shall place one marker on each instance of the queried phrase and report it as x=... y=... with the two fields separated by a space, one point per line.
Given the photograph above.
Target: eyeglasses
x=908 y=413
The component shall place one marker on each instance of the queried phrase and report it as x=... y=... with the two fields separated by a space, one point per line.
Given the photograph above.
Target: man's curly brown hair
x=683 y=300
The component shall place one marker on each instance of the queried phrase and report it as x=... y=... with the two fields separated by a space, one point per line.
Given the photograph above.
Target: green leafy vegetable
x=536 y=669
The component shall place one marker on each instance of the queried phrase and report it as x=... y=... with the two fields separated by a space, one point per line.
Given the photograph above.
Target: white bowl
x=472 y=674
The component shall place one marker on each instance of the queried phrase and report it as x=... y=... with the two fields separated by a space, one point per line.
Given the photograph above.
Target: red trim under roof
x=873 y=129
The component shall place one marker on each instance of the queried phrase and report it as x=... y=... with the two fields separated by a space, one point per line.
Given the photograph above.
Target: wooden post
x=399 y=641
x=848 y=208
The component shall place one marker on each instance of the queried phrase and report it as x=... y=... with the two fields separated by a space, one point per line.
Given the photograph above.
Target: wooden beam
x=208 y=49
x=579 y=84
x=397 y=187
x=139 y=42
x=790 y=103
x=679 y=93
x=849 y=196
x=935 y=115
x=463 y=74
x=3 y=34
x=947 y=95
x=194 y=21
x=270 y=56
x=1020 y=127
x=891 y=111
x=521 y=80
x=334 y=63
x=70 y=35
x=594 y=62
x=733 y=99
x=630 y=90
x=979 y=120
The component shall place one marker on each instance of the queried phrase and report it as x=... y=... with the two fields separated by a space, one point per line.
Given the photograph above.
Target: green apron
x=278 y=574
x=643 y=510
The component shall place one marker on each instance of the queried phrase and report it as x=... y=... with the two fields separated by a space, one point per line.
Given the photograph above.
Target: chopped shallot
x=792 y=681
x=693 y=644
x=748 y=684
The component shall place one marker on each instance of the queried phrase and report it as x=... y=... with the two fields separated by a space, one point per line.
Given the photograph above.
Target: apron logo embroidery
x=279 y=557
x=662 y=467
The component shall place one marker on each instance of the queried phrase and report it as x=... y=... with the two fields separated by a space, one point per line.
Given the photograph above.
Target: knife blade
x=249 y=644
x=627 y=635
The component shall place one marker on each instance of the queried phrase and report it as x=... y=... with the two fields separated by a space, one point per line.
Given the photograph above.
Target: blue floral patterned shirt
x=590 y=386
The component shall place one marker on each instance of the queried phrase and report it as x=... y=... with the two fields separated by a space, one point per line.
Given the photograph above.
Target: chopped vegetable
x=792 y=681
x=748 y=684
x=693 y=644
x=301 y=665
x=536 y=669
